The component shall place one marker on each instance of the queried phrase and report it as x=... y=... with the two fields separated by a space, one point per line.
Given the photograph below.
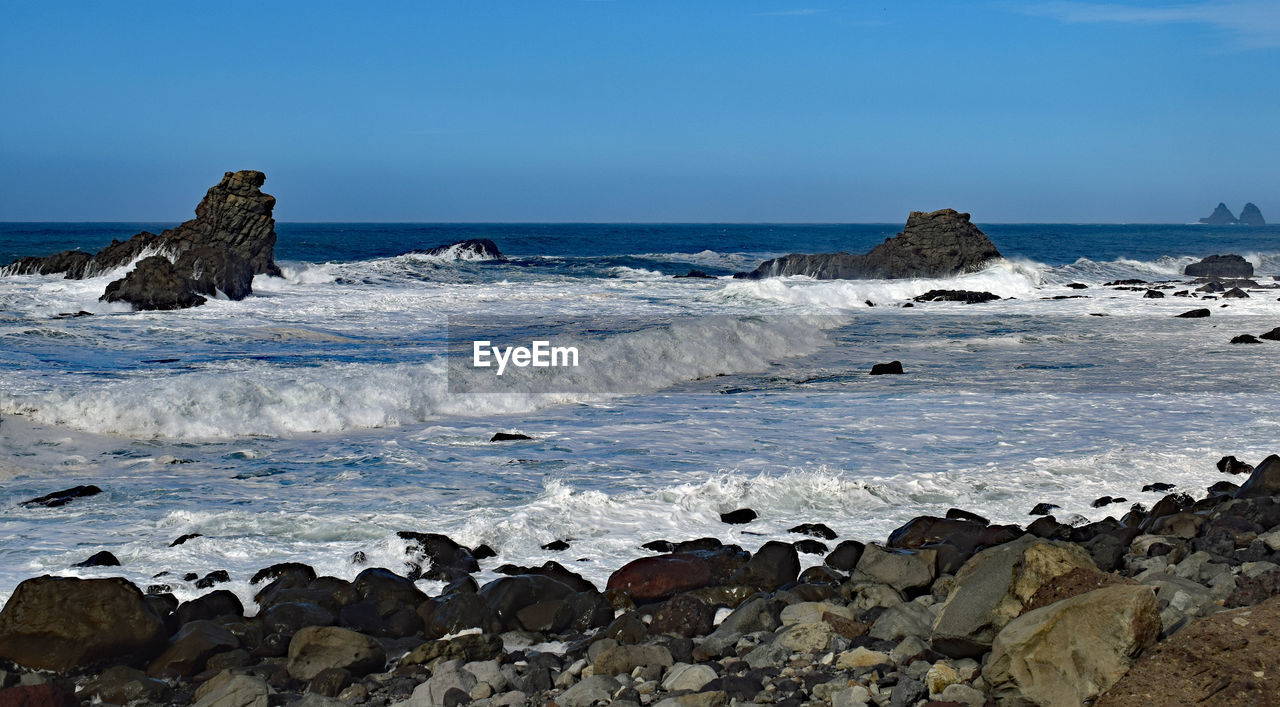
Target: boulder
x=447 y=560
x=49 y=694
x=900 y=569
x=597 y=689
x=816 y=530
x=1071 y=651
x=1194 y=314
x=99 y=559
x=1221 y=216
x=1235 y=293
x=937 y=244
x=1218 y=266
x=1273 y=335
x=739 y=516
x=1251 y=215
x=662 y=576
x=508 y=437
x=469 y=647
x=473 y=249
x=695 y=275
x=123 y=685
x=994 y=586
x=683 y=615
x=1153 y=294
x=1245 y=339
x=772 y=566
x=227 y=689
x=64 y=624
x=1264 y=481
x=507 y=596
x=318 y=648
x=623 y=659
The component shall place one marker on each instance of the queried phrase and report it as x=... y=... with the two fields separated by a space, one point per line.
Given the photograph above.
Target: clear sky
x=643 y=110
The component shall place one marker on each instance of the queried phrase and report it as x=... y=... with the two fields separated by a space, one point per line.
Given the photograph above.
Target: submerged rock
x=1230 y=265
x=966 y=296
x=1221 y=216
x=473 y=249
x=1194 y=314
x=937 y=244
x=63 y=497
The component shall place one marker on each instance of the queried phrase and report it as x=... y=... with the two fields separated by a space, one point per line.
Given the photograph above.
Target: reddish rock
x=48 y=695
x=654 y=578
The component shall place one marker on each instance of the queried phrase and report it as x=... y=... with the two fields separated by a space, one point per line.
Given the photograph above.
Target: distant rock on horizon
x=936 y=244
x=1221 y=216
x=1251 y=215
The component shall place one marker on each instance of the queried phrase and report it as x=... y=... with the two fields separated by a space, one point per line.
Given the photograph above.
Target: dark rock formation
x=474 y=249
x=1230 y=265
x=63 y=497
x=508 y=437
x=742 y=515
x=1273 y=335
x=890 y=368
x=696 y=275
x=936 y=244
x=1235 y=293
x=1221 y=216
x=231 y=239
x=60 y=624
x=1246 y=339
x=1194 y=314
x=1251 y=215
x=1154 y=294
x=966 y=296
x=99 y=559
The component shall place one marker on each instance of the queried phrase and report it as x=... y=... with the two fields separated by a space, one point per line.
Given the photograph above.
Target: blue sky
x=632 y=110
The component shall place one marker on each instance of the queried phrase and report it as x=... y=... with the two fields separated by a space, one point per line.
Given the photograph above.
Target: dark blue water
x=1052 y=244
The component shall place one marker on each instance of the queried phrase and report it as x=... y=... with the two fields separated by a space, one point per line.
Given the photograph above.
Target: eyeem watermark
x=539 y=354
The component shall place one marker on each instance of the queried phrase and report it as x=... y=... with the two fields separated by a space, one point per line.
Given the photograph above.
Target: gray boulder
x=937 y=244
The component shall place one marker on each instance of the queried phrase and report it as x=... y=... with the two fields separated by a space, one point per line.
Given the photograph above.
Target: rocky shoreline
x=1173 y=604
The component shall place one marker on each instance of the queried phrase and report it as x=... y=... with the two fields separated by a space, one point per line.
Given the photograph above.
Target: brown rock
x=653 y=578
x=63 y=623
x=1073 y=583
x=1224 y=660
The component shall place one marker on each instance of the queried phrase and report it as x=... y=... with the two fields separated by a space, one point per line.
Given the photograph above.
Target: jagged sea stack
x=937 y=244
x=231 y=239
x=1251 y=215
x=1221 y=216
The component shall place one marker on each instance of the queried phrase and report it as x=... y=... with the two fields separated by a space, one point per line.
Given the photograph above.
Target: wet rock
x=695 y=274
x=212 y=578
x=556 y=546
x=890 y=368
x=1108 y=500
x=304 y=574
x=317 y=648
x=1158 y=487
x=1195 y=314
x=472 y=249
x=184 y=538
x=815 y=530
x=210 y=606
x=99 y=559
x=1235 y=293
x=937 y=244
x=1073 y=650
x=553 y=570
x=508 y=437
x=455 y=612
x=290 y=617
x=1264 y=481
x=1153 y=294
x=1043 y=509
x=1246 y=339
x=1230 y=265
x=966 y=296
x=809 y=547
x=63 y=497
x=653 y=578
x=506 y=596
x=1273 y=335
x=772 y=566
x=447 y=559
x=738 y=517
x=62 y=623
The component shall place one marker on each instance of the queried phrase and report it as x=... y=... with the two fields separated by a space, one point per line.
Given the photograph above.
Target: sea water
x=313 y=420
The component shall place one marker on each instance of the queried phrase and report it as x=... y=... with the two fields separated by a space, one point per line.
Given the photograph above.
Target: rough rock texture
x=992 y=588
x=1230 y=265
x=1225 y=659
x=936 y=244
x=653 y=578
x=1075 y=649
x=62 y=623
x=1264 y=481
x=1221 y=216
x=231 y=239
x=318 y=648
x=1251 y=215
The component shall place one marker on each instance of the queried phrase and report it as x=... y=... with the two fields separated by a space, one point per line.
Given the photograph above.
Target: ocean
x=315 y=419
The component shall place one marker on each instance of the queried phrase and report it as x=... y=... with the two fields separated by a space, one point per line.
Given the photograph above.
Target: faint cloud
x=790 y=13
x=1254 y=24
